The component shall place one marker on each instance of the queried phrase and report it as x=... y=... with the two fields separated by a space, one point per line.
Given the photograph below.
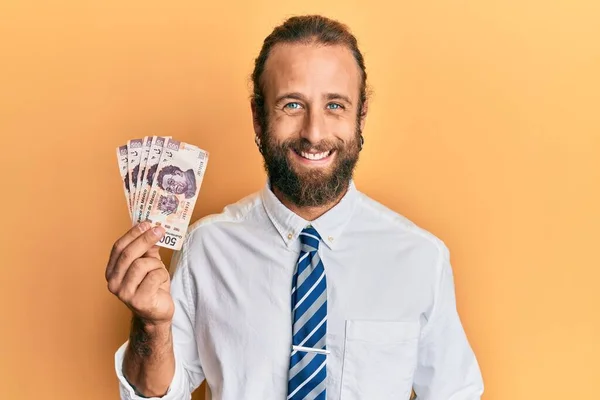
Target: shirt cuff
x=126 y=390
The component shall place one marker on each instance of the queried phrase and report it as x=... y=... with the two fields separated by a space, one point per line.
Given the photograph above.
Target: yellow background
x=484 y=129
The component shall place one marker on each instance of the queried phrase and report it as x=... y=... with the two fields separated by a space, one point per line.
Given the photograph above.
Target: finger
x=123 y=242
x=153 y=252
x=150 y=285
x=135 y=275
x=135 y=250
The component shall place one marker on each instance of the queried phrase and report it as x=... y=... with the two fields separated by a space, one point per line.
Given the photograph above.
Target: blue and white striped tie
x=309 y=314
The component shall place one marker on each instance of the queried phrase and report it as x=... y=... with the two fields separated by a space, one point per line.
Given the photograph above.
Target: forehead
x=312 y=69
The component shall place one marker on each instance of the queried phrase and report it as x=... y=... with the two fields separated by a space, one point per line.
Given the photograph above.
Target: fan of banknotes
x=161 y=180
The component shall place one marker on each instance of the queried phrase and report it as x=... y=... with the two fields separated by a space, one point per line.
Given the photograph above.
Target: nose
x=314 y=126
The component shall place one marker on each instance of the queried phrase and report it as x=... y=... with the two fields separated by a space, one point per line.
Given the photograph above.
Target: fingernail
x=158 y=230
x=144 y=226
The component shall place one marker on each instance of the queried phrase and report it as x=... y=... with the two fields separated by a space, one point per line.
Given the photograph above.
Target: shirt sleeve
x=447 y=367
x=188 y=372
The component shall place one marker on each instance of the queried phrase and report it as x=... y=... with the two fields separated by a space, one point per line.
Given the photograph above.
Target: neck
x=307 y=213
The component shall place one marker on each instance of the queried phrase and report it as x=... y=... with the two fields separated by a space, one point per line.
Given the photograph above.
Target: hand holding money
x=161 y=180
x=137 y=276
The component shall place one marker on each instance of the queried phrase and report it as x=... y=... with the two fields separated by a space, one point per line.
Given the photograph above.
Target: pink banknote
x=134 y=150
x=143 y=160
x=147 y=177
x=174 y=191
x=122 y=160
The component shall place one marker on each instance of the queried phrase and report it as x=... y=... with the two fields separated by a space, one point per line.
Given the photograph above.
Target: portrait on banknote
x=168 y=204
x=173 y=180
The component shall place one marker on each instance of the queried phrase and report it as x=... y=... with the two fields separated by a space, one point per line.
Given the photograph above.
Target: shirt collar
x=329 y=225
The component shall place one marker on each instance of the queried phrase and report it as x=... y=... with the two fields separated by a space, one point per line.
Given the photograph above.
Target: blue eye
x=337 y=106
x=293 y=106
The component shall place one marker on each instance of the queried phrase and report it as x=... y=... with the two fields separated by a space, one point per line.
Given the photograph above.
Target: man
x=308 y=289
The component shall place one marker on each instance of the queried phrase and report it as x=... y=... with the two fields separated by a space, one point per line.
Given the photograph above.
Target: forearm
x=149 y=362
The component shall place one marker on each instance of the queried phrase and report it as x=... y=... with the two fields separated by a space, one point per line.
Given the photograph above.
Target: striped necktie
x=309 y=315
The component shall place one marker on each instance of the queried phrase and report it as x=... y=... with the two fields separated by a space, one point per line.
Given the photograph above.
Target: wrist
x=148 y=338
x=151 y=326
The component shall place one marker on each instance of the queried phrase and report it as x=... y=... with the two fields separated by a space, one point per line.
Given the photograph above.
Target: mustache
x=303 y=145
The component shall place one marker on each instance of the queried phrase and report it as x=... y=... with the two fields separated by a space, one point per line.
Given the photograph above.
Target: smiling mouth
x=314 y=156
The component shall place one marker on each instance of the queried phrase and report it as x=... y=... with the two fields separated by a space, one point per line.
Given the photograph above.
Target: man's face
x=311 y=143
x=174 y=183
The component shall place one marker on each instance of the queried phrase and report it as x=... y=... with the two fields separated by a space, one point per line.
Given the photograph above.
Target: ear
x=255 y=119
x=363 y=114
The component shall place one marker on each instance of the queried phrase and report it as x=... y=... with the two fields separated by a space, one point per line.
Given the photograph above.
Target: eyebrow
x=300 y=96
x=338 y=96
x=293 y=95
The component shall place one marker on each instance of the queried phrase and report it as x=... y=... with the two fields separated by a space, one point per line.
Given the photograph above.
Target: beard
x=310 y=187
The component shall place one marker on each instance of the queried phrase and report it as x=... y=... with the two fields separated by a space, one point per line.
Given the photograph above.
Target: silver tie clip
x=309 y=350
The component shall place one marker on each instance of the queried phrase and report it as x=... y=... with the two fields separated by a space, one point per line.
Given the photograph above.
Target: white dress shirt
x=392 y=323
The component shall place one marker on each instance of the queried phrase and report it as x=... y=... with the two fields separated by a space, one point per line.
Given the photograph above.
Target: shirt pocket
x=379 y=359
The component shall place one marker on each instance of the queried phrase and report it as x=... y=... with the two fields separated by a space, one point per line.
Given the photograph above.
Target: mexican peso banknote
x=134 y=155
x=122 y=160
x=147 y=177
x=174 y=190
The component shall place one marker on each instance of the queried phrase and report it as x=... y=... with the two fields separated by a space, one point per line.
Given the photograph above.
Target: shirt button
x=290 y=236
x=330 y=238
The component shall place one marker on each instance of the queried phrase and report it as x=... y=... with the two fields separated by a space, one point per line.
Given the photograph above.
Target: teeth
x=317 y=156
